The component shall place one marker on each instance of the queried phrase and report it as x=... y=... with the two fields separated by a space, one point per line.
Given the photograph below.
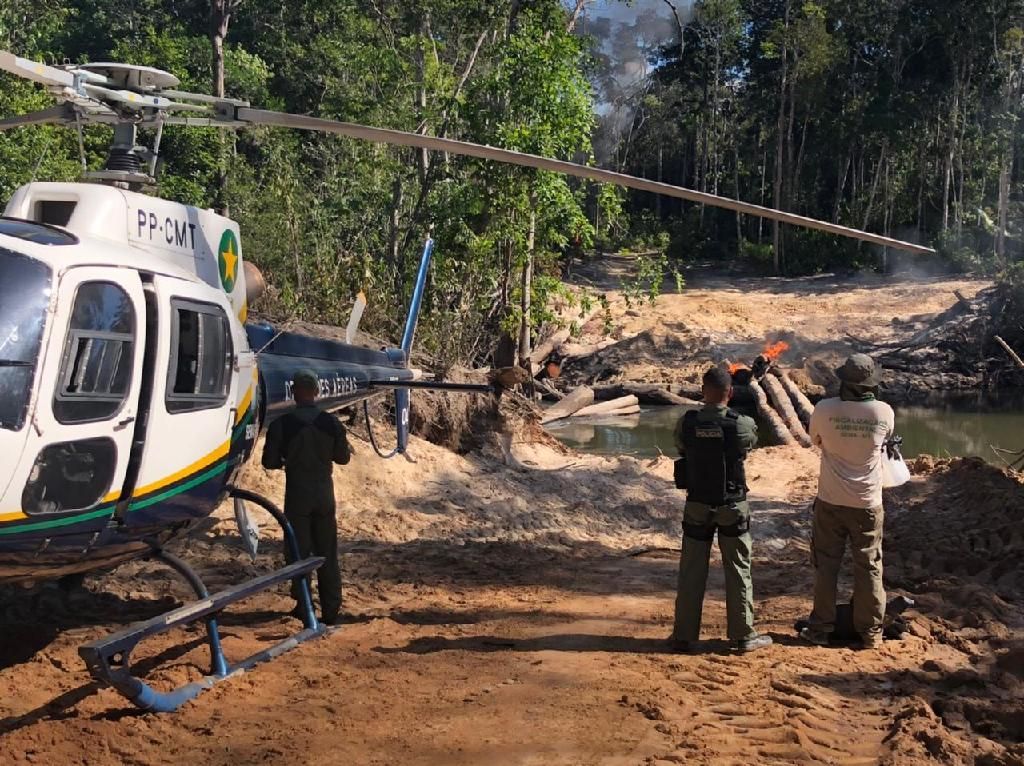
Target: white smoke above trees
x=628 y=36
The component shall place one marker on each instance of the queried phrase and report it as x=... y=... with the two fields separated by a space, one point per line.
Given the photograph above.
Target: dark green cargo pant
x=310 y=508
x=700 y=522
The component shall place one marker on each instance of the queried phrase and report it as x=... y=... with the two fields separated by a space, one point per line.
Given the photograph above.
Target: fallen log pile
x=780 y=400
x=770 y=418
x=624 y=405
x=573 y=402
x=782 y=409
x=801 y=403
x=645 y=393
x=958 y=348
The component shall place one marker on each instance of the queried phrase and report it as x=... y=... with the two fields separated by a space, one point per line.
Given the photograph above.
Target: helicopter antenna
x=132 y=97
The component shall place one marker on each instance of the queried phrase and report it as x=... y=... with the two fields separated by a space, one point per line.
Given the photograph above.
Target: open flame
x=775 y=350
x=771 y=353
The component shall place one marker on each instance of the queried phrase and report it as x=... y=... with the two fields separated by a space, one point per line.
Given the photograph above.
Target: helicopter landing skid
x=108 y=658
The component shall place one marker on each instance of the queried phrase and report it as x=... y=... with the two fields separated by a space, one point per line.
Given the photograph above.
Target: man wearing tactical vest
x=713 y=443
x=306 y=443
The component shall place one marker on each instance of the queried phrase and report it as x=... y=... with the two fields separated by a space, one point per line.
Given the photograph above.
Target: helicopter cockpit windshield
x=25 y=285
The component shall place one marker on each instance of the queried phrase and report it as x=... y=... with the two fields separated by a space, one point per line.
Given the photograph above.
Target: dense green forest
x=901 y=116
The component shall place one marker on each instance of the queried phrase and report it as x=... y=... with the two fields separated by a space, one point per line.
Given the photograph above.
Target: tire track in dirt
x=735 y=714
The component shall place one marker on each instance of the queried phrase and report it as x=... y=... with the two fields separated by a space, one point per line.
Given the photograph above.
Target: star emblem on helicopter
x=227 y=259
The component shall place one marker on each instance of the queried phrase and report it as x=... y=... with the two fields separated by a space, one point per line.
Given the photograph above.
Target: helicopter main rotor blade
x=43 y=74
x=53 y=115
x=98 y=103
x=432 y=143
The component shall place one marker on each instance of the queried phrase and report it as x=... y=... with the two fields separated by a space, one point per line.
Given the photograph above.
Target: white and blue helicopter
x=132 y=388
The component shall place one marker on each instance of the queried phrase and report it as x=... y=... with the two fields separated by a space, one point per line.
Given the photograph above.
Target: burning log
x=769 y=417
x=780 y=399
x=782 y=422
x=803 y=405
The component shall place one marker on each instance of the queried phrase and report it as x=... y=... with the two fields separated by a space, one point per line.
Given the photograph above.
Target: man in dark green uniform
x=306 y=443
x=713 y=443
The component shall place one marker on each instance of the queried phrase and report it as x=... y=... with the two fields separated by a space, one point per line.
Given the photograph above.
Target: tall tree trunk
x=422 y=156
x=527 y=288
x=922 y=172
x=888 y=218
x=764 y=178
x=393 y=239
x=658 y=197
x=798 y=170
x=841 y=184
x=874 y=183
x=736 y=191
x=950 y=154
x=220 y=19
x=1004 y=199
x=680 y=26
x=575 y=17
x=780 y=147
x=789 y=182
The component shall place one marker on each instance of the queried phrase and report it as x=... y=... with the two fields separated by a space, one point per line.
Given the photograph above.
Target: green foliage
x=897 y=116
x=758 y=255
x=323 y=216
x=649 y=277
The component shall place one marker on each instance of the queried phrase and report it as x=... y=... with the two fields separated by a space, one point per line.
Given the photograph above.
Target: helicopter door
x=185 y=458
x=80 y=439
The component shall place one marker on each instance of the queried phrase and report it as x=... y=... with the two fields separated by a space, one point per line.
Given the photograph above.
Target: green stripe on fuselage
x=139 y=504
x=184 y=487
x=98 y=513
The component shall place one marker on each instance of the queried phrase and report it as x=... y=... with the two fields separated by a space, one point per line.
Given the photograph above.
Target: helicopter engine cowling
x=255 y=284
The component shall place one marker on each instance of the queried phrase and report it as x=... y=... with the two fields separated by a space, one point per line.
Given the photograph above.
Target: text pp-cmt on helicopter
x=132 y=389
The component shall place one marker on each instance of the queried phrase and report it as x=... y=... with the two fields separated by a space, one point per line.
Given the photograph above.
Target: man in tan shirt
x=851 y=431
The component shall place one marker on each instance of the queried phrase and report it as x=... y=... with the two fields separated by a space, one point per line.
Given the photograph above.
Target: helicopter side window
x=201 y=357
x=96 y=369
x=24 y=296
x=70 y=476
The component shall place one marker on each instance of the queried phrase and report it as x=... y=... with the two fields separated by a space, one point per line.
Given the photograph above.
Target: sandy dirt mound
x=957 y=540
x=716 y=317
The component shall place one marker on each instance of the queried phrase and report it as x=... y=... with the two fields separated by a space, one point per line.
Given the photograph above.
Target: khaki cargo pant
x=732 y=523
x=833 y=524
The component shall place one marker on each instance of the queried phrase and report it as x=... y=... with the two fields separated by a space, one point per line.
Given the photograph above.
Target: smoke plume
x=627 y=39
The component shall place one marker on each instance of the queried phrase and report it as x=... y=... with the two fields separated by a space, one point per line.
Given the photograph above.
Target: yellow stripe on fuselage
x=197 y=466
x=243 y=407
x=18 y=515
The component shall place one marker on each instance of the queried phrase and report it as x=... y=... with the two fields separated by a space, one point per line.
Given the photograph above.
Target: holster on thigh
x=705 y=533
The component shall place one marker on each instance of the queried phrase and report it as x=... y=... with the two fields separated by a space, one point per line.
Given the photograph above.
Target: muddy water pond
x=952 y=428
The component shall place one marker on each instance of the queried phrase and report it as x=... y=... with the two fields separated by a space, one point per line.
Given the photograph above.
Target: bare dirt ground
x=517 y=616
x=718 y=317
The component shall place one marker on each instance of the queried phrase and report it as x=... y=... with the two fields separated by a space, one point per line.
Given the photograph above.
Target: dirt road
x=516 y=626
x=501 y=616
